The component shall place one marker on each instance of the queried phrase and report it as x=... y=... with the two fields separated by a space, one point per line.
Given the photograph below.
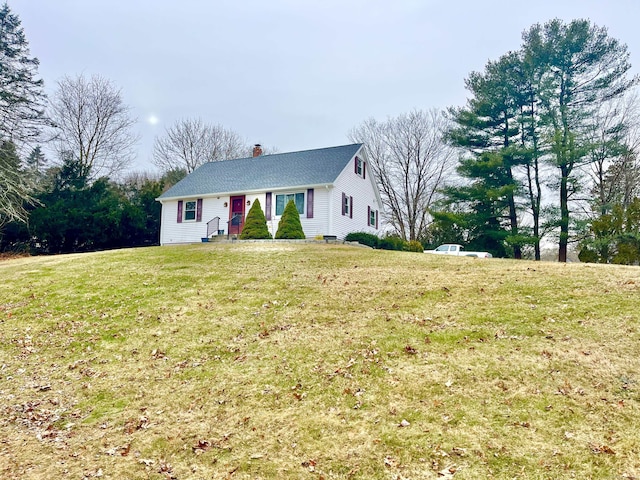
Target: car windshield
x=442 y=248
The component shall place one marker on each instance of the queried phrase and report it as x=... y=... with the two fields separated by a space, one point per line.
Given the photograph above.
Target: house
x=334 y=189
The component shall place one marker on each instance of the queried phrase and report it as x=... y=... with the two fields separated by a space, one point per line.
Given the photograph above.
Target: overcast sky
x=290 y=74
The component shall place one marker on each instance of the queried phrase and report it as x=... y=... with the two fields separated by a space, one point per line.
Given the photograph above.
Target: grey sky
x=291 y=74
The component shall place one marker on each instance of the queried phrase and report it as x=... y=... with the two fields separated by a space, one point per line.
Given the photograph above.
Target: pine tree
x=582 y=68
x=289 y=226
x=255 y=225
x=21 y=93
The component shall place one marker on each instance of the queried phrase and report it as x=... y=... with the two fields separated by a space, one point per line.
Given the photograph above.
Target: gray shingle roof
x=281 y=170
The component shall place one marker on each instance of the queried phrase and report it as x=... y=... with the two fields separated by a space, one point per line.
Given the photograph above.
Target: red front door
x=236 y=215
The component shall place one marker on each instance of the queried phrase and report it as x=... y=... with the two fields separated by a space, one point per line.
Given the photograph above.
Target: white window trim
x=275 y=203
x=194 y=210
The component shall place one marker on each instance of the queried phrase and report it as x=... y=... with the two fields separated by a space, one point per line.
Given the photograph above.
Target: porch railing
x=213 y=227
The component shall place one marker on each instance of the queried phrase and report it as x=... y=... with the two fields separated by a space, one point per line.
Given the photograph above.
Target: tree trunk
x=564 y=215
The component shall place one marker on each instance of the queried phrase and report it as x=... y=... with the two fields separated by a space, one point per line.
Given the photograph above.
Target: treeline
x=545 y=151
x=81 y=197
x=67 y=213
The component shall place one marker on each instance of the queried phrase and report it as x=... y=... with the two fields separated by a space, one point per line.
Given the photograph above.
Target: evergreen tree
x=543 y=102
x=255 y=225
x=582 y=69
x=488 y=128
x=289 y=226
x=21 y=93
x=486 y=216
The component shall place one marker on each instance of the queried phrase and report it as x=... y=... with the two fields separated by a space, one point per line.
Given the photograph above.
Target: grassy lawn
x=282 y=360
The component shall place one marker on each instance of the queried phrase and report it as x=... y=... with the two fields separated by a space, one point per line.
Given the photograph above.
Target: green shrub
x=414 y=246
x=255 y=225
x=363 y=238
x=392 y=242
x=289 y=226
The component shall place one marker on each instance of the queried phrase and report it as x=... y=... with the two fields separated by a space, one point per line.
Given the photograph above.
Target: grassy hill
x=281 y=360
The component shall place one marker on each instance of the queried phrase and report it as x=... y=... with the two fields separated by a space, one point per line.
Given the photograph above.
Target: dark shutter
x=368 y=215
x=199 y=210
x=343 y=202
x=179 y=211
x=267 y=206
x=376 y=219
x=310 y=203
x=355 y=166
x=364 y=169
x=350 y=207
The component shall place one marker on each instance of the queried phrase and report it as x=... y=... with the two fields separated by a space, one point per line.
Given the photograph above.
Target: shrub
x=414 y=246
x=289 y=226
x=363 y=238
x=255 y=225
x=392 y=242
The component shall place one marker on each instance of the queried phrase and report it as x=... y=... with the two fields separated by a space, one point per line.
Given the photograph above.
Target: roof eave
x=245 y=192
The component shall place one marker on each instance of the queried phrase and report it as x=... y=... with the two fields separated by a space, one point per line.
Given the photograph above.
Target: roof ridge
x=291 y=153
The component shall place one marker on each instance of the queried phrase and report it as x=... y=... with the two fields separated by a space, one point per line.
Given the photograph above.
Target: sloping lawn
x=282 y=360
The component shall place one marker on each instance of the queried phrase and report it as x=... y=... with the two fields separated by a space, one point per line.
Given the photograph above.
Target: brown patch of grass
x=265 y=360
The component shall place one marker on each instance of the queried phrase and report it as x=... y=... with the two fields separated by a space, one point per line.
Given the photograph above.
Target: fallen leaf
x=447 y=472
x=201 y=447
x=602 y=449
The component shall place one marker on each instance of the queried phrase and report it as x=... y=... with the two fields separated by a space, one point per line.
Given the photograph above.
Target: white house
x=334 y=189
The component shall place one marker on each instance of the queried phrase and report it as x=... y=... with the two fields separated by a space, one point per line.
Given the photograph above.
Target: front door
x=236 y=215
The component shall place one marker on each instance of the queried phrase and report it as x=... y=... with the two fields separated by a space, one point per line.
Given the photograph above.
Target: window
x=282 y=200
x=373 y=218
x=347 y=205
x=360 y=167
x=189 y=211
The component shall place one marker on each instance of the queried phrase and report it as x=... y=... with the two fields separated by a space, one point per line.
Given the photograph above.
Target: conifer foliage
x=255 y=225
x=289 y=226
x=21 y=92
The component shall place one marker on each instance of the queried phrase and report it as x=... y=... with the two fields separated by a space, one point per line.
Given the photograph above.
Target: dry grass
x=269 y=360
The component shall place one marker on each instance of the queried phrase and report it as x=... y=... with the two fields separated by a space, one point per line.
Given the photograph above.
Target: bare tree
x=613 y=167
x=93 y=126
x=15 y=187
x=411 y=161
x=190 y=143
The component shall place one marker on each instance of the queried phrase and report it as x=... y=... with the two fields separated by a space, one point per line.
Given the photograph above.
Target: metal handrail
x=213 y=226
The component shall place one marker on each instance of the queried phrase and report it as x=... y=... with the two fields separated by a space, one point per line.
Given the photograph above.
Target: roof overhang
x=245 y=192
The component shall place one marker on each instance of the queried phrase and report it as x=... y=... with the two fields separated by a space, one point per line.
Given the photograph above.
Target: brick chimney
x=257 y=150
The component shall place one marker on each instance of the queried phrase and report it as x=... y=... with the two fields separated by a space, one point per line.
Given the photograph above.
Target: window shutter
x=355 y=165
x=199 y=210
x=267 y=206
x=364 y=169
x=179 y=211
x=376 y=219
x=350 y=207
x=310 y=203
x=343 y=202
x=368 y=215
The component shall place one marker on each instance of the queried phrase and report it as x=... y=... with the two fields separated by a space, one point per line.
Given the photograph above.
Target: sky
x=290 y=74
